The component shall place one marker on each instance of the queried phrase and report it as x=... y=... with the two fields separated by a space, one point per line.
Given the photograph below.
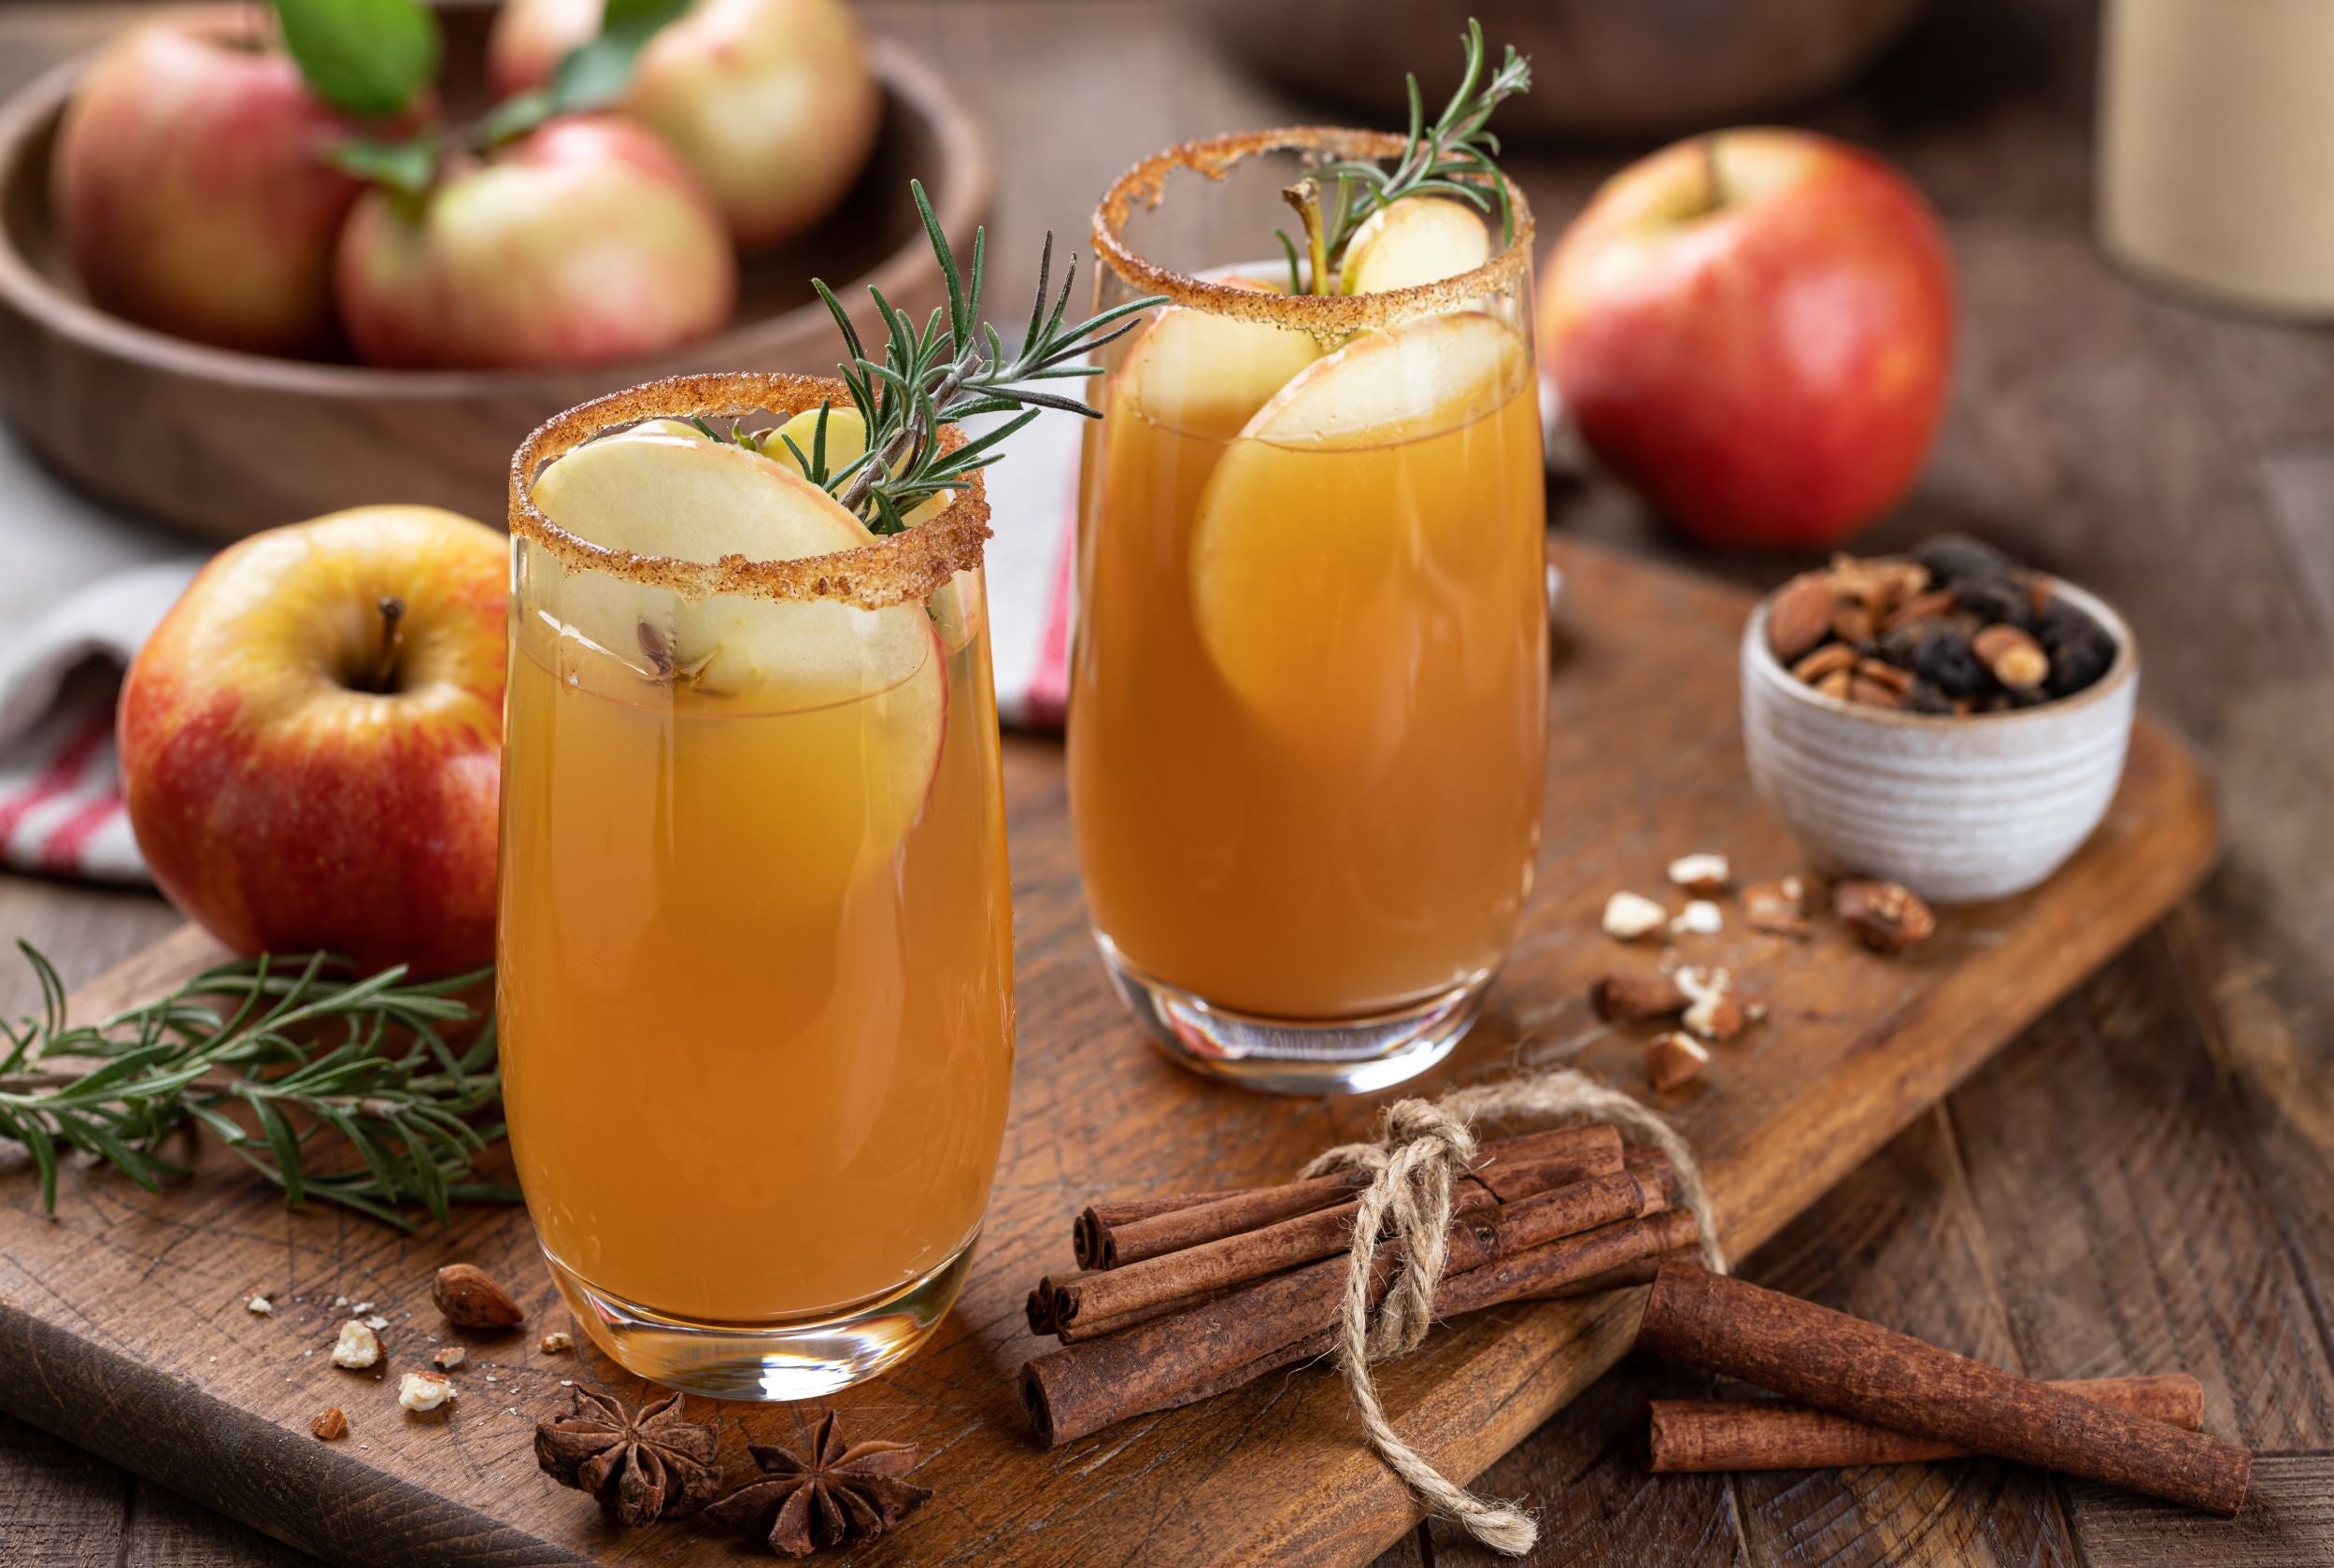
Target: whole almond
x=1801 y=616
x=1937 y=602
x=471 y=1299
x=1634 y=998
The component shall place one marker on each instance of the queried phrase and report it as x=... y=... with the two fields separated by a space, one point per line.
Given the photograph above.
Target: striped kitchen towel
x=61 y=808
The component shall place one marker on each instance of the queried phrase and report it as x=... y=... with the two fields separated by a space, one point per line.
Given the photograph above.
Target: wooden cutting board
x=123 y=1324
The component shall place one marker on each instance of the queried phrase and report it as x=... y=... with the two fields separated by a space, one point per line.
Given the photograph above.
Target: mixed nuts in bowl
x=1948 y=719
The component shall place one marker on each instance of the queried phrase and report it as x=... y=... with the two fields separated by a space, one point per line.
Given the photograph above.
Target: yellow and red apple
x=770 y=102
x=191 y=186
x=583 y=242
x=312 y=740
x=1754 y=329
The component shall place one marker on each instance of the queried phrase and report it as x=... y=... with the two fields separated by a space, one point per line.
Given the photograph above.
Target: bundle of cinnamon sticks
x=1178 y=1299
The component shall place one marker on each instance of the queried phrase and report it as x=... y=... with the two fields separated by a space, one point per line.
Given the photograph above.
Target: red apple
x=770 y=101
x=190 y=187
x=582 y=242
x=300 y=780
x=1755 y=330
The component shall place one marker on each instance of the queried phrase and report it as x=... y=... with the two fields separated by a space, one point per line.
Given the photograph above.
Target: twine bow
x=1424 y=1148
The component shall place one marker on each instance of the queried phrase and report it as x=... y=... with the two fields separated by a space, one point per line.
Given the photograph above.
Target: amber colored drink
x=773 y=1087
x=755 y=973
x=1324 y=799
x=1308 y=698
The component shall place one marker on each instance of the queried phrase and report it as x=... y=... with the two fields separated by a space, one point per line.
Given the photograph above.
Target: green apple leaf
x=590 y=75
x=403 y=167
x=369 y=57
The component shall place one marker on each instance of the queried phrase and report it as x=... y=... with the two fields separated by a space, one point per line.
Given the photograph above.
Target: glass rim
x=894 y=569
x=1212 y=157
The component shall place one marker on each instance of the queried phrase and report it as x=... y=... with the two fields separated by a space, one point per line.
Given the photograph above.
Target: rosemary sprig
x=951 y=368
x=312 y=1058
x=1452 y=157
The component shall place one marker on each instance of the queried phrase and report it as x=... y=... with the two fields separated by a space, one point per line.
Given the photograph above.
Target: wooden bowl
x=225 y=444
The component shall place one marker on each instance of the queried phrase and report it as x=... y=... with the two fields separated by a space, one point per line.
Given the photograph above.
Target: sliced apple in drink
x=1206 y=375
x=691 y=499
x=1415 y=241
x=1284 y=594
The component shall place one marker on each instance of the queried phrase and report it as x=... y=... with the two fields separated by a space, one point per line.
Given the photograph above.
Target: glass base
x=801 y=1360
x=1293 y=1056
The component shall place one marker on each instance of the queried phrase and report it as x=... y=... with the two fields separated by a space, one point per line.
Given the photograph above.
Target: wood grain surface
x=122 y=1323
x=2180 y=460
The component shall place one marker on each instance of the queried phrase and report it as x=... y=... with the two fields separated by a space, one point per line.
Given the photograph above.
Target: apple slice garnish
x=1264 y=569
x=1415 y=241
x=691 y=499
x=1206 y=375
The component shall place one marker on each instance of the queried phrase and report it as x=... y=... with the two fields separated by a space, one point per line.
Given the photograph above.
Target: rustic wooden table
x=2146 y=1181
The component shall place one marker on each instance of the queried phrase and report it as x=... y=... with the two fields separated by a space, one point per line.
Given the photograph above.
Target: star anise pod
x=839 y=1494
x=641 y=1467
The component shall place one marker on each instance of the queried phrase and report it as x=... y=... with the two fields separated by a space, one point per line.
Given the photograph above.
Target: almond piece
x=1837 y=684
x=331 y=1425
x=1701 y=873
x=1778 y=908
x=1936 y=603
x=471 y=1299
x=1799 y=617
x=448 y=1357
x=1634 y=998
x=1629 y=915
x=1888 y=916
x=2016 y=660
x=1674 y=1060
x=1829 y=660
x=1853 y=624
x=357 y=1348
x=424 y=1391
x=556 y=1343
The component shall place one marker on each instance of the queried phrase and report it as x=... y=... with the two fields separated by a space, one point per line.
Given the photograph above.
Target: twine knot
x=1424 y=1148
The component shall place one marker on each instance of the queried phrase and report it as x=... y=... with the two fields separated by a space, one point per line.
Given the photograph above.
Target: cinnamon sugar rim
x=909 y=565
x=1146 y=183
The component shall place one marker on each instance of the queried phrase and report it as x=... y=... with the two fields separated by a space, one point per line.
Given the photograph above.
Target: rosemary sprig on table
x=1452 y=157
x=313 y=1059
x=953 y=368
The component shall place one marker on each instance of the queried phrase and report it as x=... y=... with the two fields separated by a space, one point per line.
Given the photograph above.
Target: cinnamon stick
x=1101 y=1238
x=1699 y=1435
x=1185 y=1356
x=1850 y=1367
x=1137 y=1288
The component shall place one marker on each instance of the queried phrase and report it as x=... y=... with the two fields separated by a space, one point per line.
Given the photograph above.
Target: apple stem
x=1306 y=196
x=393 y=612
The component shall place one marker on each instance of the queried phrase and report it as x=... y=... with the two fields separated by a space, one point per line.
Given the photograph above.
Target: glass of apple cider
x=1308 y=702
x=755 y=972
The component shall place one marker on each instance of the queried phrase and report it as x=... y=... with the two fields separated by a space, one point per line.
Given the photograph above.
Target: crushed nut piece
x=259 y=1306
x=1701 y=874
x=421 y=1391
x=1888 y=918
x=448 y=1357
x=331 y=1425
x=1825 y=662
x=361 y=1308
x=1779 y=907
x=377 y=1322
x=1672 y=1060
x=1717 y=1015
x=1839 y=683
x=1634 y=998
x=471 y=1299
x=358 y=1346
x=555 y=1344
x=340 y=1300
x=1629 y=915
x=1700 y=917
x=2017 y=658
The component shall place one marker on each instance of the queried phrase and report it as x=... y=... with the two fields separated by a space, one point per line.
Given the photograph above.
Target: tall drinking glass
x=755 y=946
x=1308 y=704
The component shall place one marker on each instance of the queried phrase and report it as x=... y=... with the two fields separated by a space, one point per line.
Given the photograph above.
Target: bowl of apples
x=238 y=289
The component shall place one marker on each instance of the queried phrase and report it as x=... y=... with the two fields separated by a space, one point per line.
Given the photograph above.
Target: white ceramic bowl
x=1956 y=809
